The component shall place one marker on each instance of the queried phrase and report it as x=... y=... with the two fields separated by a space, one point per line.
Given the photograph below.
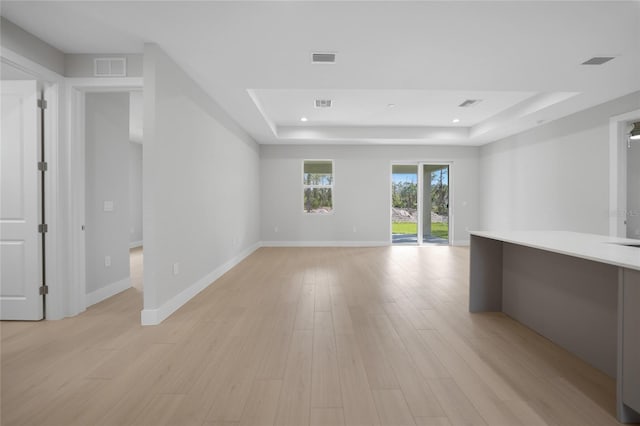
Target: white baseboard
x=325 y=243
x=106 y=292
x=135 y=244
x=156 y=316
x=343 y=243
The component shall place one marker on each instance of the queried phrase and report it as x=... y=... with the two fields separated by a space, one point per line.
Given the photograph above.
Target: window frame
x=331 y=186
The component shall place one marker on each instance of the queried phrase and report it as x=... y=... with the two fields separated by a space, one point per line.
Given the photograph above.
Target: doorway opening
x=624 y=203
x=420 y=203
x=404 y=204
x=633 y=183
x=113 y=193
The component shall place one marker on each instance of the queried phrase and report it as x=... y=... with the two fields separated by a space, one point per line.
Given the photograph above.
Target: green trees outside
x=405 y=193
x=318 y=195
x=440 y=191
x=316 y=199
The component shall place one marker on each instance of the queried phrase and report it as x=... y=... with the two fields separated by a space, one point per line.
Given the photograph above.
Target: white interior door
x=20 y=244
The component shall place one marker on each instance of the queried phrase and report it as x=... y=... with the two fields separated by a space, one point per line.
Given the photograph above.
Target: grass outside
x=438 y=229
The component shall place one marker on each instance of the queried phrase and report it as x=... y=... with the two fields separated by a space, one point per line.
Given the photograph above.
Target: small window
x=317 y=181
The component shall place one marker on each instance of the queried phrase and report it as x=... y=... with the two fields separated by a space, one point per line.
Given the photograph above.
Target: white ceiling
x=521 y=58
x=384 y=107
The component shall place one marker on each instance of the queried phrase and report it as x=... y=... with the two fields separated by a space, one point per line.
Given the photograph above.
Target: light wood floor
x=318 y=336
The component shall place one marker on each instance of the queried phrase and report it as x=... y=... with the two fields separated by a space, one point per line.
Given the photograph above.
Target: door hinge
x=43 y=228
x=42 y=104
x=44 y=290
x=43 y=166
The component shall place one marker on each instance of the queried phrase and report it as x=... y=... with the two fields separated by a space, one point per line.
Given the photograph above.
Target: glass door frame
x=420 y=165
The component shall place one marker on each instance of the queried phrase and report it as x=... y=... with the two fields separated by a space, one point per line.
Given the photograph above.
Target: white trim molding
x=105 y=84
x=38 y=71
x=156 y=316
x=76 y=89
x=106 y=292
x=325 y=243
x=135 y=244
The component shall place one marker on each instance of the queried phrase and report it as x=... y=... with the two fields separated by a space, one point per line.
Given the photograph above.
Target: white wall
x=106 y=155
x=135 y=194
x=201 y=188
x=554 y=177
x=362 y=197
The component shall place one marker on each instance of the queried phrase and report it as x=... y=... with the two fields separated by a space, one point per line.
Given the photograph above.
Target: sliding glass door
x=420 y=203
x=404 y=204
x=435 y=204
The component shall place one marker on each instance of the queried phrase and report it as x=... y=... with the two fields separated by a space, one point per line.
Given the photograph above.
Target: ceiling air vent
x=323 y=103
x=323 y=58
x=110 y=67
x=469 y=102
x=598 y=60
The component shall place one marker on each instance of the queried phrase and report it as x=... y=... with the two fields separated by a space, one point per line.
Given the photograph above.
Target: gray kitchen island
x=581 y=291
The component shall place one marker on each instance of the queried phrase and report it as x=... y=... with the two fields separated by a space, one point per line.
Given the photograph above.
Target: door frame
x=618 y=172
x=53 y=88
x=420 y=163
x=420 y=199
x=77 y=88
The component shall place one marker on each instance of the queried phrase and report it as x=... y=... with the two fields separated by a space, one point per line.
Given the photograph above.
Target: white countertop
x=598 y=248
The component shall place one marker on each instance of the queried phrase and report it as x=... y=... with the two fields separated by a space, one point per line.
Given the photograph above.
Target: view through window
x=317 y=183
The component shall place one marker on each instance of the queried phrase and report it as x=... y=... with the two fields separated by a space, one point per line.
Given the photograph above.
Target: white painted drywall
x=554 y=177
x=201 y=187
x=362 y=192
x=107 y=155
x=633 y=190
x=31 y=47
x=135 y=194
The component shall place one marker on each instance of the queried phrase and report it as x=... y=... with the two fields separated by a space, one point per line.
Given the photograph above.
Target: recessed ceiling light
x=391 y=105
x=455 y=120
x=304 y=119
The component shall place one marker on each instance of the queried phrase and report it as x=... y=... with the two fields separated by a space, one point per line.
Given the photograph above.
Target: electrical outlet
x=275 y=229
x=176 y=268
x=107 y=261
x=355 y=229
x=108 y=206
